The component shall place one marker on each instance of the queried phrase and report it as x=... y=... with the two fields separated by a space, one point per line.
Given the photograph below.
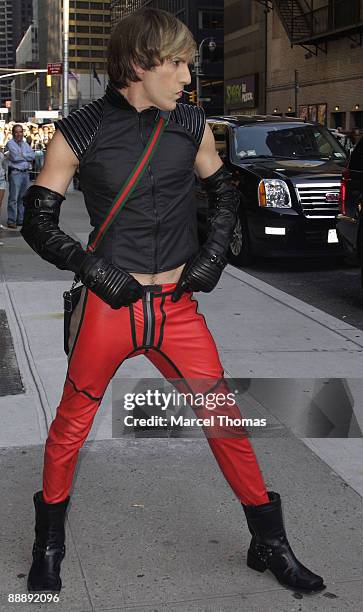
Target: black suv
x=349 y=220
x=288 y=173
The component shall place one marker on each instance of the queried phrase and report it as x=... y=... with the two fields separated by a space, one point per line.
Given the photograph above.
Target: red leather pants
x=176 y=339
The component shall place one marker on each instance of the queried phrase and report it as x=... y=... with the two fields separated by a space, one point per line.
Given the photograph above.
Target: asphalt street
x=329 y=284
x=152 y=524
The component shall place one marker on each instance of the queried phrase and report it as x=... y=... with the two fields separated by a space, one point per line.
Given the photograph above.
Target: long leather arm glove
x=203 y=272
x=41 y=231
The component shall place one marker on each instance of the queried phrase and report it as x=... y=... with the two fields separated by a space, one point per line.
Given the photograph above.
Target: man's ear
x=139 y=71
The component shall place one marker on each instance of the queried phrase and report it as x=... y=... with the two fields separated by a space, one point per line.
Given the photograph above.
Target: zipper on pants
x=148 y=322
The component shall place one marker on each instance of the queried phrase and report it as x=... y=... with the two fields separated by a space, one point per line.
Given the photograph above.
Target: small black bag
x=70 y=301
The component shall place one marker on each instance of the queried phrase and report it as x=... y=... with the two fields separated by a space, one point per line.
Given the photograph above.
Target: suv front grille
x=314 y=199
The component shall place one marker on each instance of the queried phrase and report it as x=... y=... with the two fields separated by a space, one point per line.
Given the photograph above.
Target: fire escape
x=312 y=23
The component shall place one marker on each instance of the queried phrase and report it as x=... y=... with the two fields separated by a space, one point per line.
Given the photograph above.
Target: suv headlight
x=274 y=193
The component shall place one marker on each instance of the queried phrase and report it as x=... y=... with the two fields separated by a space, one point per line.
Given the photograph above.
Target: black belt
x=17 y=170
x=157 y=290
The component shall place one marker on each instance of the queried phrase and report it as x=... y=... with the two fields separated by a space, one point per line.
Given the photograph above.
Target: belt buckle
x=153 y=288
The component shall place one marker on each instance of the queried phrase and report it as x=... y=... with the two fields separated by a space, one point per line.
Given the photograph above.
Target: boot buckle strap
x=263 y=552
x=49 y=550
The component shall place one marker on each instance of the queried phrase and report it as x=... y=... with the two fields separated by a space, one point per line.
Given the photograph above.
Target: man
x=2 y=182
x=142 y=278
x=20 y=156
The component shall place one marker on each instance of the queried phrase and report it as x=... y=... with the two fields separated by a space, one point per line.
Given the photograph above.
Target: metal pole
x=65 y=56
x=197 y=79
x=265 y=67
x=296 y=91
x=199 y=67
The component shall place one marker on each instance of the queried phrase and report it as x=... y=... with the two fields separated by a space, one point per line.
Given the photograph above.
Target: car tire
x=239 y=252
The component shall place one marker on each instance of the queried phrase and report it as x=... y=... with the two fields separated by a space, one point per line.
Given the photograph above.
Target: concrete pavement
x=152 y=523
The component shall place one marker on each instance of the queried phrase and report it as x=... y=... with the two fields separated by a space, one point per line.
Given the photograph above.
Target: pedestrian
x=20 y=159
x=39 y=158
x=142 y=278
x=2 y=182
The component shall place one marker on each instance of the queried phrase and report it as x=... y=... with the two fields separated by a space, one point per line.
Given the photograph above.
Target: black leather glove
x=41 y=230
x=203 y=272
x=113 y=285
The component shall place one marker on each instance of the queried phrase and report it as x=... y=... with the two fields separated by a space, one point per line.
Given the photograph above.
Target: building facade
x=320 y=77
x=15 y=18
x=25 y=87
x=89 y=30
x=244 y=57
x=205 y=20
x=295 y=58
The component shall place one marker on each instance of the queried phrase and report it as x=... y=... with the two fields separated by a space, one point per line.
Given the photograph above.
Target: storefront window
x=211 y=19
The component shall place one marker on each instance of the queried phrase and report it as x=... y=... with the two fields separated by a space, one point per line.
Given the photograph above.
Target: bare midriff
x=160 y=278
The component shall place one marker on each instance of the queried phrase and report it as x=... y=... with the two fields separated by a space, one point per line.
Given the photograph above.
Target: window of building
x=82 y=16
x=356 y=119
x=343 y=13
x=211 y=19
x=338 y=120
x=79 y=28
x=82 y=42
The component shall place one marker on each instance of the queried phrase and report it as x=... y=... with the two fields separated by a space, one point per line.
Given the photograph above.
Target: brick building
x=299 y=57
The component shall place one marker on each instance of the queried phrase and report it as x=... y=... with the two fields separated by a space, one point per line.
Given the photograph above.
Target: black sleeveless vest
x=156 y=229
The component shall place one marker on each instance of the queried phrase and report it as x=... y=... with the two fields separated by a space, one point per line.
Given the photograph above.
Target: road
x=331 y=285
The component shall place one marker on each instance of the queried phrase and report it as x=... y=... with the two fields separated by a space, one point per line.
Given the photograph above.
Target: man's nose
x=187 y=79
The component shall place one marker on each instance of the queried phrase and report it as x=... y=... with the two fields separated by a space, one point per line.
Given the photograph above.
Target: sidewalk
x=152 y=524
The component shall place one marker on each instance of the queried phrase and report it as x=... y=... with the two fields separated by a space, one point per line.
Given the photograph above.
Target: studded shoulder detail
x=80 y=127
x=192 y=118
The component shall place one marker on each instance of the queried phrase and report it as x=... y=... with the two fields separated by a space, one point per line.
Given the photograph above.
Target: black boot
x=270 y=549
x=49 y=548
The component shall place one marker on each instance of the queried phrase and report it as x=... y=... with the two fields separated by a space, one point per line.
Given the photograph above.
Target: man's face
x=18 y=134
x=163 y=84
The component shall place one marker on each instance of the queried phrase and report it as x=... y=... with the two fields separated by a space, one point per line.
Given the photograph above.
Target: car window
x=220 y=136
x=286 y=140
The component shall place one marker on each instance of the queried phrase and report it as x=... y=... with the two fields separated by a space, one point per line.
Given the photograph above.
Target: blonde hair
x=146 y=38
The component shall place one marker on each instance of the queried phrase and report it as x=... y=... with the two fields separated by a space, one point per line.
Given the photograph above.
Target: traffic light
x=192 y=96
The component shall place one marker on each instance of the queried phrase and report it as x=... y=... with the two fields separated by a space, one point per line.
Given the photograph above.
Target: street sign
x=50 y=114
x=4 y=110
x=55 y=68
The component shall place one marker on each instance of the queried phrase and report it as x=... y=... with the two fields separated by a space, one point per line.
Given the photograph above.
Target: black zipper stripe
x=132 y=325
x=152 y=321
x=144 y=309
x=148 y=314
x=161 y=334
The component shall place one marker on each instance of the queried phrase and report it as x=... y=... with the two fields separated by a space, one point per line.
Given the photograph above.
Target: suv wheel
x=239 y=248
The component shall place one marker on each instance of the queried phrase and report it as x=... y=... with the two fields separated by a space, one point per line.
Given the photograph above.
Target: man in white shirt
x=20 y=156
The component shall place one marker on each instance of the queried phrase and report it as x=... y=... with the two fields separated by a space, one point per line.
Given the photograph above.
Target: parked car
x=288 y=174
x=349 y=220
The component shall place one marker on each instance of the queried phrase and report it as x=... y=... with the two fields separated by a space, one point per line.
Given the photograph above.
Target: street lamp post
x=199 y=61
x=65 y=55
